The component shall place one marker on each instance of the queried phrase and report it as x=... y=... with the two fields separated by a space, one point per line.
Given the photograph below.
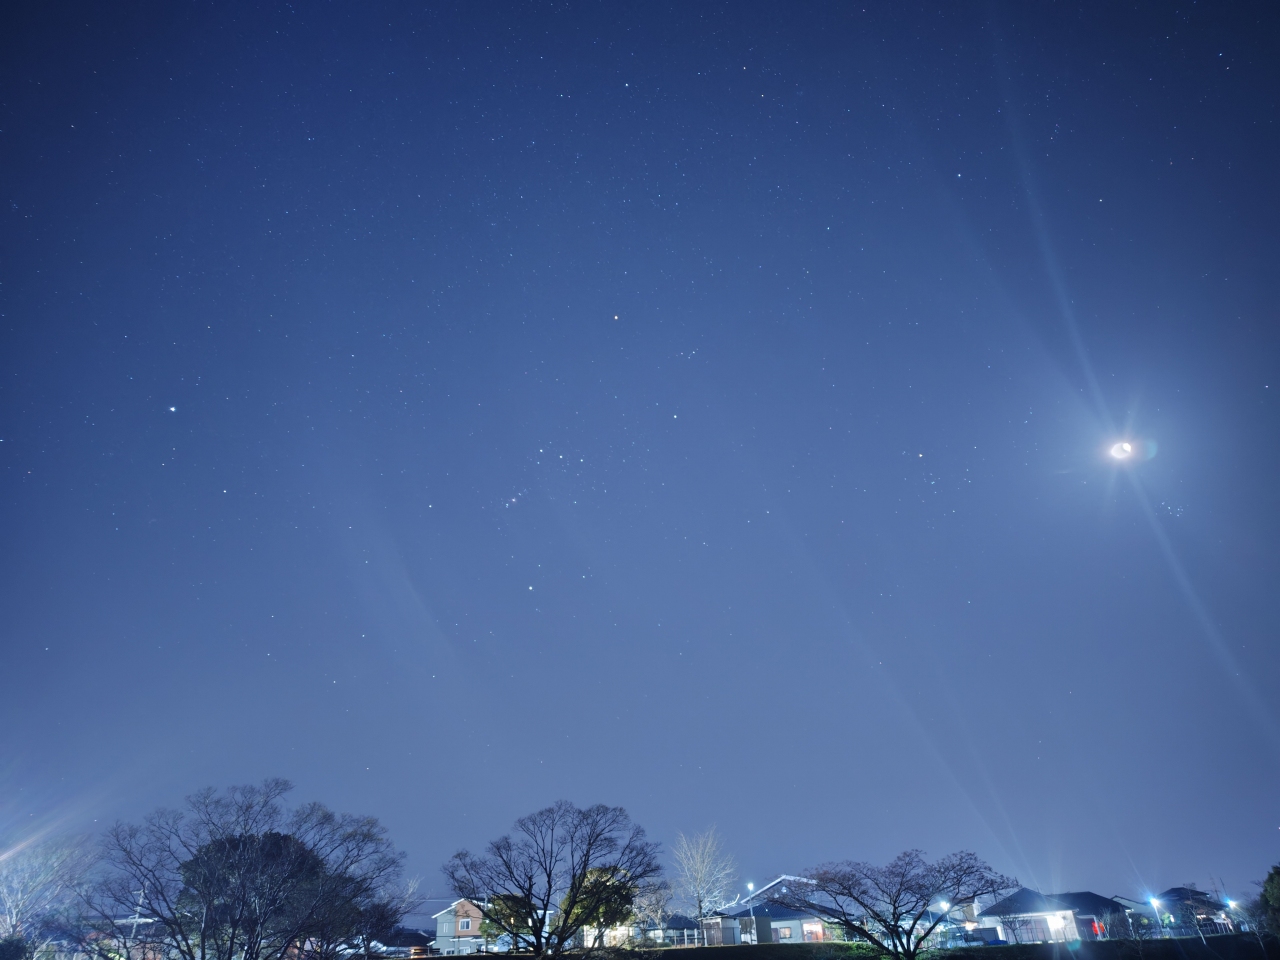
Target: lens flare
x=1122 y=450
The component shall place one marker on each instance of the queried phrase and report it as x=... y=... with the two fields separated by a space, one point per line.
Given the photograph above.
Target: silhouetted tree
x=1267 y=905
x=897 y=907
x=560 y=869
x=238 y=877
x=15 y=947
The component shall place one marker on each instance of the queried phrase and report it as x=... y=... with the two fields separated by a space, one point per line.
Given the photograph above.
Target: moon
x=1122 y=450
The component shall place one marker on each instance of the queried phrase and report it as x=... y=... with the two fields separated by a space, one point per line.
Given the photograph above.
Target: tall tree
x=237 y=876
x=704 y=872
x=1267 y=905
x=897 y=907
x=560 y=869
x=38 y=883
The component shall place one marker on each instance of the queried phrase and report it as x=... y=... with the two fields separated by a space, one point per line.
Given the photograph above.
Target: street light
x=1155 y=905
x=752 y=907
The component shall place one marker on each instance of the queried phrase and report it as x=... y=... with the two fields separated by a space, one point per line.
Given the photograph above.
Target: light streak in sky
x=1124 y=451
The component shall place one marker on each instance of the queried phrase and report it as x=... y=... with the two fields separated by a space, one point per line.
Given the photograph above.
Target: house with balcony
x=458 y=929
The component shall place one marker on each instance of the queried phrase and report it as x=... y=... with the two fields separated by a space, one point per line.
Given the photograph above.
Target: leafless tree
x=237 y=876
x=1016 y=927
x=895 y=908
x=1117 y=926
x=561 y=869
x=1133 y=931
x=38 y=882
x=1255 y=914
x=652 y=907
x=704 y=872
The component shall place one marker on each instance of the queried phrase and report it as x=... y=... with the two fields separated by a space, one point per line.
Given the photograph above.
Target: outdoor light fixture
x=945 y=906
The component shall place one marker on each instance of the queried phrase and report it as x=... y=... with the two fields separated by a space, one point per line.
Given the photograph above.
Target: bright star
x=173 y=409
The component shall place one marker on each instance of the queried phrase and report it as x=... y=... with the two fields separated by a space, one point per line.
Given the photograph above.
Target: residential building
x=404 y=943
x=769 y=923
x=1029 y=916
x=759 y=920
x=1187 y=911
x=676 y=930
x=458 y=929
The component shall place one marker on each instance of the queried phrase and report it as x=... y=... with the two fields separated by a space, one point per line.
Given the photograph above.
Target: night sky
x=703 y=408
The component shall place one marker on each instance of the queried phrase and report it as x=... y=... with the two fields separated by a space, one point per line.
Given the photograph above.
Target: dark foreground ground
x=1232 y=947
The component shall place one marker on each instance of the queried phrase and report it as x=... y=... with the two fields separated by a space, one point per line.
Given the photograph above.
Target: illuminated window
x=812 y=931
x=464 y=924
x=784 y=933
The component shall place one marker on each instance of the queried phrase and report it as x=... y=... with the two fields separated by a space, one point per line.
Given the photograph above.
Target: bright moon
x=1122 y=451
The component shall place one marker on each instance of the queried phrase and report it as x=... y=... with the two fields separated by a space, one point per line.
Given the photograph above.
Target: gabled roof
x=763 y=911
x=450 y=908
x=762 y=895
x=1023 y=901
x=1032 y=901
x=1089 y=904
x=405 y=937
x=677 y=921
x=1190 y=895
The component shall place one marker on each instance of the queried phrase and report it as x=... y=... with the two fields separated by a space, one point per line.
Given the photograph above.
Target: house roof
x=1023 y=901
x=1027 y=901
x=404 y=937
x=762 y=895
x=771 y=911
x=450 y=908
x=678 y=921
x=1089 y=904
x=1190 y=895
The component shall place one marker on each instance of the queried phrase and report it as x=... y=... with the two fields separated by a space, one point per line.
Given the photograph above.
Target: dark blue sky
x=700 y=408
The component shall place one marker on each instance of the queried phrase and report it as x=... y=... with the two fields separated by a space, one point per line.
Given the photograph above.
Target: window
x=464 y=924
x=784 y=933
x=812 y=931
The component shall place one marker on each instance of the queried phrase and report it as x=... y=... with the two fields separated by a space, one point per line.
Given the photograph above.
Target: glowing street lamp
x=1155 y=905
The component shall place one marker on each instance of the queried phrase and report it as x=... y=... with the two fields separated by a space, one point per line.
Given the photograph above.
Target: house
x=404 y=943
x=1192 y=912
x=770 y=923
x=675 y=929
x=759 y=920
x=458 y=929
x=1029 y=916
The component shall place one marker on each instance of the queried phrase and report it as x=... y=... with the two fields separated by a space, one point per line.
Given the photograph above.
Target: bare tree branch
x=704 y=872
x=560 y=870
x=895 y=908
x=236 y=876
